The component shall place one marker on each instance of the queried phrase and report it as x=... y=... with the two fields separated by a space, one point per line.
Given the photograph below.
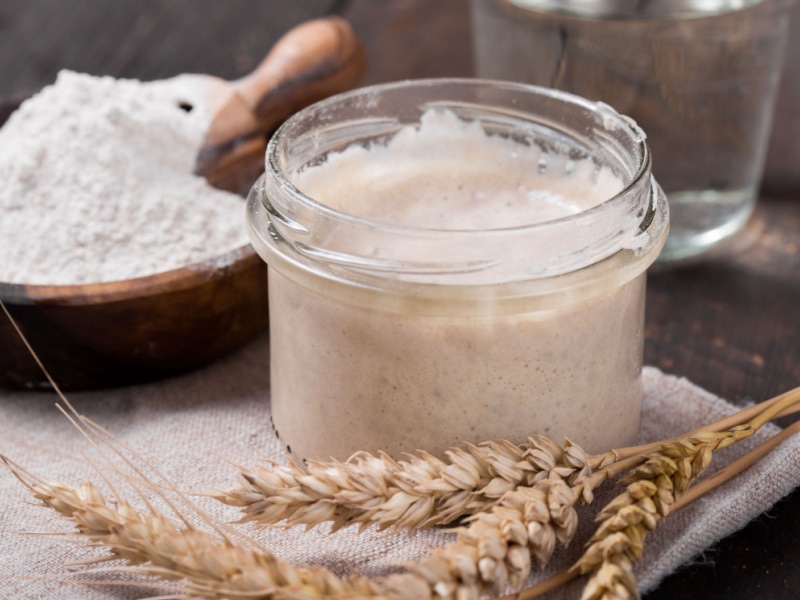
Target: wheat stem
x=425 y=491
x=495 y=547
x=789 y=403
x=521 y=500
x=728 y=472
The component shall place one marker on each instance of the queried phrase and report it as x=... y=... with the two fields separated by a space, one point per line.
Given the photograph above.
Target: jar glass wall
x=484 y=319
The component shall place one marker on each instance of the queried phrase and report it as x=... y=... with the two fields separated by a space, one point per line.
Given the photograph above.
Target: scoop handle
x=314 y=60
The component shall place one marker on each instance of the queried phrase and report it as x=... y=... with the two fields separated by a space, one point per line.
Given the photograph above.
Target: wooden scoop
x=314 y=60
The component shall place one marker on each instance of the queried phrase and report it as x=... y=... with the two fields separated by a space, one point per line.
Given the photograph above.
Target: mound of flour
x=98 y=185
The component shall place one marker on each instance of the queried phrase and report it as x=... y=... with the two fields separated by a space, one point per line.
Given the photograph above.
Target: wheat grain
x=488 y=554
x=509 y=522
x=521 y=500
x=210 y=566
x=492 y=550
x=495 y=547
x=652 y=490
x=421 y=491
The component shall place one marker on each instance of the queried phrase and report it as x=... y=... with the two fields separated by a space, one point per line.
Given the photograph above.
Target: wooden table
x=731 y=324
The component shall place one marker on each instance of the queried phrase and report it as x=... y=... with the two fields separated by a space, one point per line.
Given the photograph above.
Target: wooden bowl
x=125 y=332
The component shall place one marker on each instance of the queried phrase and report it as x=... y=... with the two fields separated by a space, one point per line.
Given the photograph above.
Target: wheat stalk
x=495 y=547
x=489 y=553
x=210 y=565
x=652 y=491
x=505 y=529
x=701 y=488
x=521 y=501
x=492 y=550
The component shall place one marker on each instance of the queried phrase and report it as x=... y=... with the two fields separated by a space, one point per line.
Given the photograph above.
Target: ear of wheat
x=652 y=490
x=496 y=545
x=492 y=550
x=423 y=490
x=211 y=566
x=419 y=492
x=520 y=502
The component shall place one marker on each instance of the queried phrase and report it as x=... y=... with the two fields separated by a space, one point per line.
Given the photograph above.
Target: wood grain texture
x=142 y=40
x=412 y=39
x=732 y=325
x=732 y=322
x=104 y=335
x=313 y=60
x=782 y=171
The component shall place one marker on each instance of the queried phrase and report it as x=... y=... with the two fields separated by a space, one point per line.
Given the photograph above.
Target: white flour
x=97 y=185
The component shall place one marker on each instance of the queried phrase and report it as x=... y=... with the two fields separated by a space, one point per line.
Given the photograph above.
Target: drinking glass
x=699 y=77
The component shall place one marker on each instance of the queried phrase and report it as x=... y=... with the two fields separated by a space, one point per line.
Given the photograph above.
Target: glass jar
x=701 y=77
x=394 y=335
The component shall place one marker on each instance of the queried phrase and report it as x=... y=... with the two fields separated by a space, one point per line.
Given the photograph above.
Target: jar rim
x=272 y=160
x=291 y=214
x=625 y=9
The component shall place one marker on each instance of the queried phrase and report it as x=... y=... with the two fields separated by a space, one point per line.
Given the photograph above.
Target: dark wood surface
x=731 y=324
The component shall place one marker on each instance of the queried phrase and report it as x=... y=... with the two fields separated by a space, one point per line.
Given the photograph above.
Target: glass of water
x=699 y=76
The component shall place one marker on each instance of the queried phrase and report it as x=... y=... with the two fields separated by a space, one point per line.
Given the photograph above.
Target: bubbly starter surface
x=449 y=174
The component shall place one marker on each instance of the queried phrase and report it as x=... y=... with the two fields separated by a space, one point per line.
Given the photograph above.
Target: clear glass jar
x=396 y=337
x=701 y=77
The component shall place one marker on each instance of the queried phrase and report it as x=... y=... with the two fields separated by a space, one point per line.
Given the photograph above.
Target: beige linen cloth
x=191 y=428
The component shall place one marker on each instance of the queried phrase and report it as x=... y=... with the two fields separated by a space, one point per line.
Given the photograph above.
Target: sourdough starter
x=348 y=376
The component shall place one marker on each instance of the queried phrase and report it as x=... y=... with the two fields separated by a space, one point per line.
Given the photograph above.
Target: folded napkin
x=192 y=428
